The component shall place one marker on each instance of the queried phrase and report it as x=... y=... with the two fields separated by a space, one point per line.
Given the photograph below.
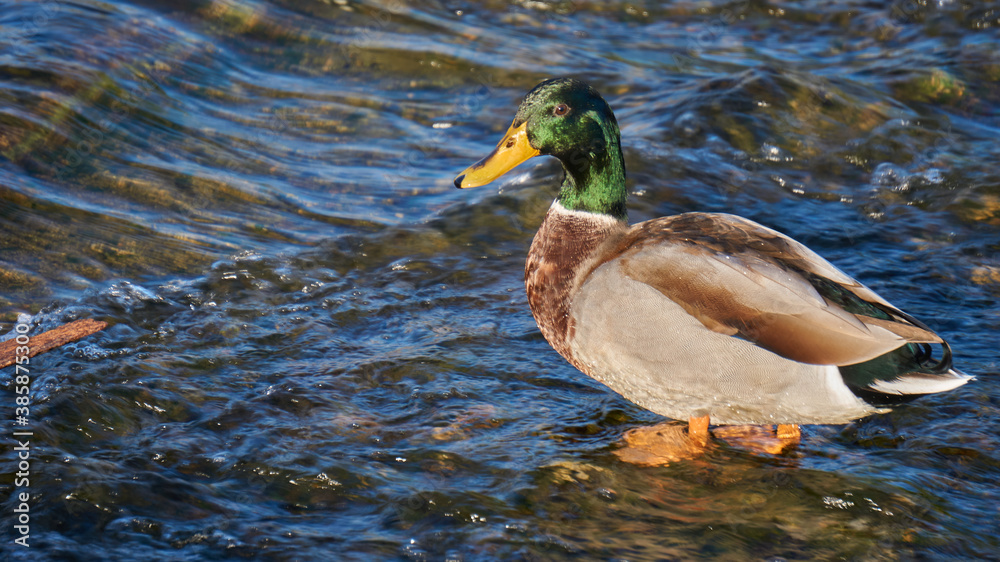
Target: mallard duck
x=699 y=316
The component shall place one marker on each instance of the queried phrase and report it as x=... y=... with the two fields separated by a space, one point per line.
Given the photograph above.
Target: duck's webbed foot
x=760 y=438
x=665 y=443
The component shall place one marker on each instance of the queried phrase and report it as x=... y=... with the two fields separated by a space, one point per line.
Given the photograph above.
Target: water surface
x=319 y=349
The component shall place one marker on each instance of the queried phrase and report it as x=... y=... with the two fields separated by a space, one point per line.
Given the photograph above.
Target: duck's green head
x=568 y=119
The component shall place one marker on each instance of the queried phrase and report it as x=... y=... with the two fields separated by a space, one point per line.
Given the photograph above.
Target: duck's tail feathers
x=904 y=374
x=921 y=383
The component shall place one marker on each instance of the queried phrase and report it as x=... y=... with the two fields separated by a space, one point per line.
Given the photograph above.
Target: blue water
x=319 y=349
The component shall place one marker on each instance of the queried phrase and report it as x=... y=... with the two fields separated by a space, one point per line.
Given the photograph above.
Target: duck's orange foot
x=663 y=444
x=759 y=438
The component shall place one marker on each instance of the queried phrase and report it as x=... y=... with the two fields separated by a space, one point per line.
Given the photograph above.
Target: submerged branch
x=47 y=341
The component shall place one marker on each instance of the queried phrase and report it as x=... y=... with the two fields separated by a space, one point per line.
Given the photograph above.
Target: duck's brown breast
x=566 y=248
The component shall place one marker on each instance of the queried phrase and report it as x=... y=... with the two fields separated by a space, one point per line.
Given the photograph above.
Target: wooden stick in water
x=47 y=341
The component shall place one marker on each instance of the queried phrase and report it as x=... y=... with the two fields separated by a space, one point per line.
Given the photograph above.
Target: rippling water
x=319 y=349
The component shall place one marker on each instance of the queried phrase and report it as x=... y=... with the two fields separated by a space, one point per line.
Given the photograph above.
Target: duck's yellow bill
x=513 y=149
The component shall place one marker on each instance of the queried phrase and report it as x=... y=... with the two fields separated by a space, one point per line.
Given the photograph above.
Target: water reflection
x=318 y=346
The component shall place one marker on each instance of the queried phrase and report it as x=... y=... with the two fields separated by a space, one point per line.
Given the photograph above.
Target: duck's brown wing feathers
x=743 y=279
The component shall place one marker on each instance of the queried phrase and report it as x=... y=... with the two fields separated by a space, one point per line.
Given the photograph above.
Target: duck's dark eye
x=561 y=109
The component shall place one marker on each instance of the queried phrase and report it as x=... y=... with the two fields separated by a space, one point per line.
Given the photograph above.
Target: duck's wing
x=746 y=280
